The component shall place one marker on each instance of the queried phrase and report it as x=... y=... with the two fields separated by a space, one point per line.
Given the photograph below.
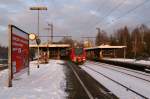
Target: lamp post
x=38 y=8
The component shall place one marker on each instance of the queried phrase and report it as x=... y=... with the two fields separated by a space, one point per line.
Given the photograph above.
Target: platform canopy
x=106 y=47
x=50 y=45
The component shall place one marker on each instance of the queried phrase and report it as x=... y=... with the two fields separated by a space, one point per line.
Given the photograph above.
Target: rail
x=107 y=67
x=135 y=66
x=118 y=83
x=84 y=87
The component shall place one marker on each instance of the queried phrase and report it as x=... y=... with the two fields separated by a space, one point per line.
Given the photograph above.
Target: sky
x=76 y=18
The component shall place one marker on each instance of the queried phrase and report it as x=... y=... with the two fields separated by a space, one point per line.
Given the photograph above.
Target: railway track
x=126 y=71
x=135 y=71
x=118 y=82
x=135 y=66
x=93 y=89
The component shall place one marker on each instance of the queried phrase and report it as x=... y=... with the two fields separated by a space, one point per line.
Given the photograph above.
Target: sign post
x=9 y=58
x=18 y=52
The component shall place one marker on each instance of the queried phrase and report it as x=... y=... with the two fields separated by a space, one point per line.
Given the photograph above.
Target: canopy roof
x=50 y=45
x=106 y=47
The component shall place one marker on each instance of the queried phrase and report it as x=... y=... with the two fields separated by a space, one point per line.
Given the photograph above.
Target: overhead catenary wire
x=128 y=12
x=111 y=11
x=148 y=22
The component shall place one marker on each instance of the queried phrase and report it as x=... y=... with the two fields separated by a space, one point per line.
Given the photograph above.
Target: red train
x=77 y=55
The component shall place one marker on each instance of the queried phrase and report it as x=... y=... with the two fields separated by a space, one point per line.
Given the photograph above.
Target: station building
x=103 y=51
x=53 y=50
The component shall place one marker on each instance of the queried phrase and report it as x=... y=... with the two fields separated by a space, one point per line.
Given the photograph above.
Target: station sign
x=18 y=51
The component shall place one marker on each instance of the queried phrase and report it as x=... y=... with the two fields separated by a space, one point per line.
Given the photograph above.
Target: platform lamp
x=32 y=36
x=38 y=41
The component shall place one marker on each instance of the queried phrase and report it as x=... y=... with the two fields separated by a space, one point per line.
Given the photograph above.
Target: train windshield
x=78 y=51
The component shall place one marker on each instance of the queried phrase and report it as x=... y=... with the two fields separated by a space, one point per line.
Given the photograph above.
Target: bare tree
x=101 y=38
x=137 y=42
x=67 y=40
x=145 y=32
x=137 y=47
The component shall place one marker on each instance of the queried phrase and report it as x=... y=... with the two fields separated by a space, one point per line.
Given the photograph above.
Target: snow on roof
x=50 y=45
x=106 y=47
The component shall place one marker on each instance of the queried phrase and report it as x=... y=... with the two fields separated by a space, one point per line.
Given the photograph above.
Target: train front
x=78 y=55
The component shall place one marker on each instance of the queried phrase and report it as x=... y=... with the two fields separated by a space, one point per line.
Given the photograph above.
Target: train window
x=78 y=51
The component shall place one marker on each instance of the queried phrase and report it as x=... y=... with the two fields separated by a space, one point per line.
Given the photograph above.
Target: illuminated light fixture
x=32 y=36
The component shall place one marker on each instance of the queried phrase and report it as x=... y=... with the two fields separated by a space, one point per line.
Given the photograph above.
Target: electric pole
x=51 y=28
x=98 y=29
x=48 y=29
x=88 y=39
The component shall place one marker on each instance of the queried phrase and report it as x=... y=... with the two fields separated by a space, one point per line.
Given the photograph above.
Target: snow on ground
x=136 y=84
x=46 y=82
x=125 y=70
x=144 y=62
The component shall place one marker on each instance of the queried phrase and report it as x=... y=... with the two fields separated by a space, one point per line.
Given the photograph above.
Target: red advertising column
x=19 y=51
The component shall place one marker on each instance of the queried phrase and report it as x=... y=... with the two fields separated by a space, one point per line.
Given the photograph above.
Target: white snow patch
x=144 y=62
x=136 y=84
x=46 y=82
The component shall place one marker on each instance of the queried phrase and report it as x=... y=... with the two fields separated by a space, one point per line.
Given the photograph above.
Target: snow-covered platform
x=134 y=61
x=124 y=83
x=46 y=82
x=141 y=65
